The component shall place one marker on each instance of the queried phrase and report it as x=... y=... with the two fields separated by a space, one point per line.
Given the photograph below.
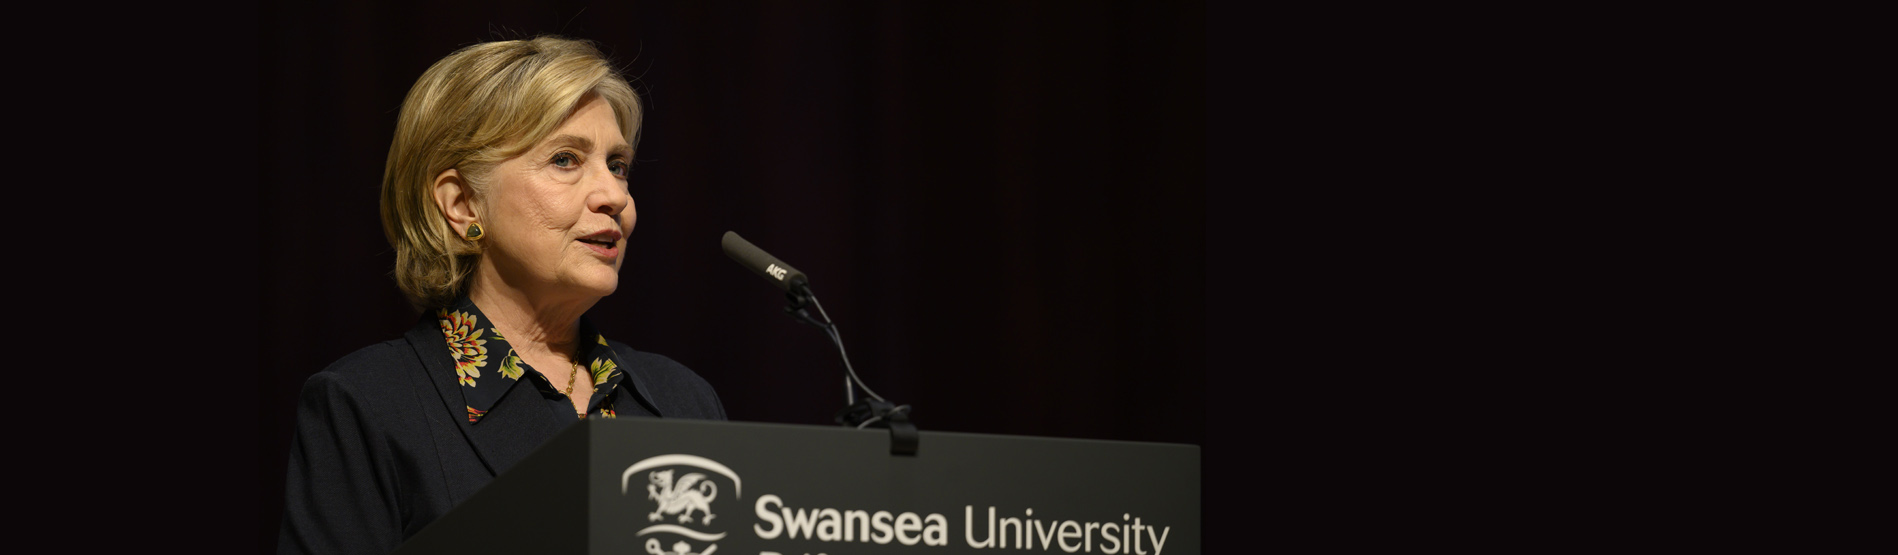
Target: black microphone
x=762 y=263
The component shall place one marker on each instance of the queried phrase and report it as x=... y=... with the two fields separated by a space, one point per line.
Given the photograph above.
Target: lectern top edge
x=933 y=433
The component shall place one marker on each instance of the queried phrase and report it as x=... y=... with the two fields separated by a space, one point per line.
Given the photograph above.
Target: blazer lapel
x=636 y=381
x=512 y=429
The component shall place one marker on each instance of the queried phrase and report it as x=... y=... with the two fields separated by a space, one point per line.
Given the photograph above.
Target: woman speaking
x=505 y=198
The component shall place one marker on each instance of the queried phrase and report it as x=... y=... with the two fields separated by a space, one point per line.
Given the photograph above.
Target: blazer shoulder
x=678 y=390
x=369 y=370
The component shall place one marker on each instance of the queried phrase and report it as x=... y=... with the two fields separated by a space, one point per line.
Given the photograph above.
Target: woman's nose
x=610 y=194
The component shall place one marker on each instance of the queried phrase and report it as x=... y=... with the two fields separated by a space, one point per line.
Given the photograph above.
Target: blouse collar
x=475 y=344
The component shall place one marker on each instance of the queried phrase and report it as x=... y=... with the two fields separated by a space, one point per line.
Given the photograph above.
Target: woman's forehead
x=594 y=123
x=616 y=144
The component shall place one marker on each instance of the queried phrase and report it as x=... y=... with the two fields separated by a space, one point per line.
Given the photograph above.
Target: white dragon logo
x=681 y=498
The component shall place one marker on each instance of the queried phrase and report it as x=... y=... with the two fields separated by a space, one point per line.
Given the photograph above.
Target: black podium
x=683 y=487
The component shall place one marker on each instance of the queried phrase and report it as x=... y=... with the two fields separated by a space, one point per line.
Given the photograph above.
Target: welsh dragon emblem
x=681 y=498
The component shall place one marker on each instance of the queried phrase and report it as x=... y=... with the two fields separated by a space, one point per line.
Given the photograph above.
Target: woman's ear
x=456 y=199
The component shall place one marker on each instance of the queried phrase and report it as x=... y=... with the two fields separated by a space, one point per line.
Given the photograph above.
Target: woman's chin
x=592 y=283
x=599 y=288
x=592 y=278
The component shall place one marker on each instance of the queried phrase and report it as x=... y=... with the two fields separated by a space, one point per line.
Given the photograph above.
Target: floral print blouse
x=486 y=366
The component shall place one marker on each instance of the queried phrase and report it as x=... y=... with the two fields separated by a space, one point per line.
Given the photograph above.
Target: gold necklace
x=570 y=381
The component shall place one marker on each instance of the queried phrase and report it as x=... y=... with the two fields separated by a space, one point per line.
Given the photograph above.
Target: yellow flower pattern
x=602 y=368
x=465 y=344
x=511 y=366
x=468 y=344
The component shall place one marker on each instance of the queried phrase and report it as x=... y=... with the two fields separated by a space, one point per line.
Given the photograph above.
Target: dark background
x=1003 y=206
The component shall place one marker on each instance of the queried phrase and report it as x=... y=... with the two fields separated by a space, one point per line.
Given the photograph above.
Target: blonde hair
x=470 y=111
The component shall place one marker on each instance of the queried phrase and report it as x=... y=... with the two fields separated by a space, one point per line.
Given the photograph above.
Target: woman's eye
x=619 y=168
x=565 y=160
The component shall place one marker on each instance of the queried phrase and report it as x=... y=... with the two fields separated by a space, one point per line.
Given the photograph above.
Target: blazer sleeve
x=341 y=492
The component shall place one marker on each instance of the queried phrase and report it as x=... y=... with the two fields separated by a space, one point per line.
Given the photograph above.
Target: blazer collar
x=517 y=415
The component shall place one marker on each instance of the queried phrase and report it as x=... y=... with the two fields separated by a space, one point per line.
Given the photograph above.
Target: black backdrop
x=1002 y=205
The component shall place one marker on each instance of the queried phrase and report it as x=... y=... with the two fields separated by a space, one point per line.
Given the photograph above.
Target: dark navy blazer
x=384 y=445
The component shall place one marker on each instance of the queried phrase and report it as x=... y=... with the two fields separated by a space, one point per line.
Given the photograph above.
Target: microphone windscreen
x=761 y=263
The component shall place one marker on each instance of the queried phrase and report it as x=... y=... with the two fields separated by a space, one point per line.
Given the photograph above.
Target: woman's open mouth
x=604 y=243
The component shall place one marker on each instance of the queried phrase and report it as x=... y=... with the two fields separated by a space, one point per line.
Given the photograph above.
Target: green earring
x=475 y=233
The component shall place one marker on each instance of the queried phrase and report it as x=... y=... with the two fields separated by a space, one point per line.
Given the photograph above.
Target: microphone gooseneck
x=874 y=411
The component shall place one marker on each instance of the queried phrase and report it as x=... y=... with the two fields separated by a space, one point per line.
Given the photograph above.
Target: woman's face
x=558 y=213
